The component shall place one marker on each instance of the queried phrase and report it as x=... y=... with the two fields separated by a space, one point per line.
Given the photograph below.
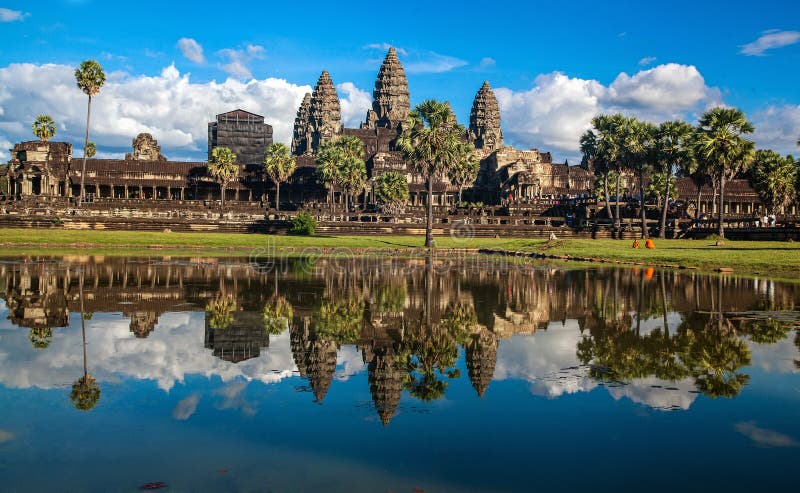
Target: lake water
x=332 y=374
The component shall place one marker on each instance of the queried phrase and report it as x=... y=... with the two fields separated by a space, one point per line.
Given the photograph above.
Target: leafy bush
x=303 y=224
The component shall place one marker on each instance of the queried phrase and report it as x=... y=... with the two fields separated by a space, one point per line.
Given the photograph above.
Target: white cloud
x=778 y=128
x=433 y=63
x=385 y=47
x=170 y=106
x=238 y=60
x=355 y=104
x=191 y=49
x=8 y=15
x=186 y=408
x=558 y=109
x=647 y=61
x=487 y=62
x=764 y=437
x=769 y=40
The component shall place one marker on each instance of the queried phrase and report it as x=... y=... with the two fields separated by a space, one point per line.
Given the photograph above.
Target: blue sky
x=554 y=64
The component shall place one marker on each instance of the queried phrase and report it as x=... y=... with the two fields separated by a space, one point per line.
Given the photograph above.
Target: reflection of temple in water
x=391 y=302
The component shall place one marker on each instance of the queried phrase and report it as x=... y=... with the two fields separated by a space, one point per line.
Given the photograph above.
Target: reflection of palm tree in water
x=85 y=391
x=41 y=337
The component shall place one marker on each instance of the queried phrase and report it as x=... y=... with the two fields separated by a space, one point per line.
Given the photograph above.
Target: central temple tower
x=390 y=99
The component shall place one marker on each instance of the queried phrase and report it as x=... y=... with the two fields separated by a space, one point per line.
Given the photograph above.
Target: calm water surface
x=388 y=375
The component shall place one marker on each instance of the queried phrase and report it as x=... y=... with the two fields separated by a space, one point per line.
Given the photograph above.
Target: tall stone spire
x=385 y=384
x=300 y=134
x=390 y=99
x=484 y=120
x=325 y=112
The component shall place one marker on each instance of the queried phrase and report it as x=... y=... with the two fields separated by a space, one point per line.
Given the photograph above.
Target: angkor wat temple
x=47 y=169
x=527 y=183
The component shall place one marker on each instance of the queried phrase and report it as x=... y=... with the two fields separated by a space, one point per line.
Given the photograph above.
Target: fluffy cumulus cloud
x=191 y=49
x=8 y=15
x=558 y=109
x=355 y=104
x=169 y=105
x=769 y=40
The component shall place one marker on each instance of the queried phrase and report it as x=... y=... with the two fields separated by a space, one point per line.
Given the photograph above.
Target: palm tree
x=774 y=178
x=391 y=191
x=638 y=139
x=674 y=151
x=90 y=78
x=594 y=160
x=340 y=163
x=279 y=166
x=44 y=127
x=723 y=149
x=431 y=142
x=605 y=146
x=219 y=311
x=223 y=168
x=328 y=157
x=85 y=391
x=277 y=315
x=91 y=149
x=466 y=168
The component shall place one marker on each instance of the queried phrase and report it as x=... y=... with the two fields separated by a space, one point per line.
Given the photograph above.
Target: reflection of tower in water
x=481 y=355
x=315 y=358
x=385 y=378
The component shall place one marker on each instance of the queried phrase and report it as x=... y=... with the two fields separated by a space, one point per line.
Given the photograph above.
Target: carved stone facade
x=484 y=120
x=244 y=133
x=324 y=114
x=145 y=148
x=300 y=135
x=391 y=98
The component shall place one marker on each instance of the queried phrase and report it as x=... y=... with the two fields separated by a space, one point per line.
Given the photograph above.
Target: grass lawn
x=780 y=259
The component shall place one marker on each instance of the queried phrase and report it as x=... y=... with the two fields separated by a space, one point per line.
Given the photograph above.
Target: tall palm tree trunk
x=460 y=193
x=642 y=208
x=605 y=191
x=222 y=197
x=699 y=197
x=277 y=195
x=721 y=211
x=429 y=243
x=616 y=205
x=85 y=145
x=83 y=332
x=662 y=228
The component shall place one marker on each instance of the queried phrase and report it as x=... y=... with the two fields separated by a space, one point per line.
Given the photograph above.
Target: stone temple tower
x=300 y=135
x=390 y=99
x=484 y=120
x=324 y=113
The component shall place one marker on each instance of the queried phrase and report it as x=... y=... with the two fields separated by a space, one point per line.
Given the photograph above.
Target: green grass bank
x=779 y=259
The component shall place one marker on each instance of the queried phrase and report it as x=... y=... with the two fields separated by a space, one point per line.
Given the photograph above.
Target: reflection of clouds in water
x=351 y=361
x=657 y=393
x=540 y=359
x=232 y=398
x=174 y=350
x=764 y=437
x=548 y=360
x=776 y=358
x=186 y=407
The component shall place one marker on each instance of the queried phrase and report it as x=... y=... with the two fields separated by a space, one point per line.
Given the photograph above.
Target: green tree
x=328 y=157
x=353 y=172
x=391 y=191
x=340 y=320
x=594 y=160
x=340 y=163
x=90 y=78
x=91 y=150
x=432 y=143
x=41 y=337
x=723 y=150
x=85 y=391
x=223 y=168
x=465 y=170
x=605 y=147
x=279 y=166
x=277 y=315
x=674 y=142
x=658 y=187
x=774 y=178
x=638 y=144
x=44 y=127
x=219 y=311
